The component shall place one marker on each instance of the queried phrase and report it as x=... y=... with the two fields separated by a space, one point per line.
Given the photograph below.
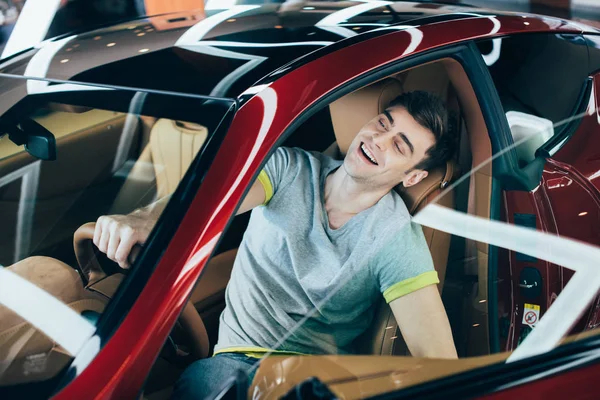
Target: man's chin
x=356 y=174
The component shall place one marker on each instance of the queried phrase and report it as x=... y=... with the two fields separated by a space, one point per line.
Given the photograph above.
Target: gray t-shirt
x=298 y=285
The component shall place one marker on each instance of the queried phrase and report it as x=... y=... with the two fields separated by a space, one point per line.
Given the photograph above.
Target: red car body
x=121 y=366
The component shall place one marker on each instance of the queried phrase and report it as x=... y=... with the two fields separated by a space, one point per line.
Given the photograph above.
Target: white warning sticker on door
x=531 y=314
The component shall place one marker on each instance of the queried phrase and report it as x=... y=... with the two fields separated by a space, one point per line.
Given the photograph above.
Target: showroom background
x=24 y=23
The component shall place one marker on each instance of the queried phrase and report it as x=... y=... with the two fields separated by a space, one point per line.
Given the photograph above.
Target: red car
x=191 y=105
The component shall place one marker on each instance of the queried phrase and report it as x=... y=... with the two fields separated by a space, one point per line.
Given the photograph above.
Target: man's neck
x=344 y=196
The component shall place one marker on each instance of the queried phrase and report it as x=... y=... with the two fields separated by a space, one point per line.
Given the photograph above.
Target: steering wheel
x=92 y=271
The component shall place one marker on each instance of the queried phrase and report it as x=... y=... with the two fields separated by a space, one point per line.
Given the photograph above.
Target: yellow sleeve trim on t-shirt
x=264 y=180
x=410 y=285
x=256 y=352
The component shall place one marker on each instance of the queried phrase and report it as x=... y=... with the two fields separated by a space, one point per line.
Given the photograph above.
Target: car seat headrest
x=190 y=126
x=418 y=196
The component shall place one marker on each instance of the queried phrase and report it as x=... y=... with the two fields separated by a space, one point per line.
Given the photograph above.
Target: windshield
x=89 y=152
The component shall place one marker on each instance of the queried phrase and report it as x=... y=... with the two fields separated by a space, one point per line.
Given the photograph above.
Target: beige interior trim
x=192 y=324
x=210 y=288
x=480 y=193
x=356 y=377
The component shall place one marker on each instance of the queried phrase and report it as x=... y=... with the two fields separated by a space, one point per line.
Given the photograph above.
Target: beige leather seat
x=171 y=148
x=348 y=115
x=447 y=78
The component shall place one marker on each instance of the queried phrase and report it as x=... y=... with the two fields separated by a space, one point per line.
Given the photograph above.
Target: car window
x=68 y=155
x=516 y=272
x=537 y=105
x=503 y=268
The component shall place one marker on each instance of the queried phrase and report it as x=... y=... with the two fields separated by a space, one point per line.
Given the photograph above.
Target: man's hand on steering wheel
x=116 y=235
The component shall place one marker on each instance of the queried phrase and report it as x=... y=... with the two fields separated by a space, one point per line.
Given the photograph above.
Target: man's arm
x=424 y=324
x=254 y=198
x=116 y=235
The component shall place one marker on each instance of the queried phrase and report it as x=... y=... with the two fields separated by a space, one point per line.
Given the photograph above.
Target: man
x=325 y=239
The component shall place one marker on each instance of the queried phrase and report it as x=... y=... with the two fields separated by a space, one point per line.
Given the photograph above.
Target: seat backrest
x=348 y=115
x=174 y=145
x=171 y=148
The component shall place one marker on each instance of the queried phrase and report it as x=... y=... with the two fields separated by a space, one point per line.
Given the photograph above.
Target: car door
x=510 y=176
x=555 y=119
x=575 y=167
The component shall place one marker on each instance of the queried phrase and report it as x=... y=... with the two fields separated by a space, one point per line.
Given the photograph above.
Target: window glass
x=503 y=261
x=503 y=284
x=539 y=93
x=69 y=155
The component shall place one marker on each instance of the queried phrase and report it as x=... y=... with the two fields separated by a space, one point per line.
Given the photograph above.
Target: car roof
x=221 y=53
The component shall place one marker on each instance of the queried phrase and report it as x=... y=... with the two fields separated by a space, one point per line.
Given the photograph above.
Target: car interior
x=130 y=170
x=154 y=154
x=344 y=118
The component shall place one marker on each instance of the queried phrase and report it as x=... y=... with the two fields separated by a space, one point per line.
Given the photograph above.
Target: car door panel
x=524 y=71
x=574 y=188
x=567 y=204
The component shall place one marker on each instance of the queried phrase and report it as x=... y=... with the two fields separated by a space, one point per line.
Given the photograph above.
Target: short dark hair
x=431 y=113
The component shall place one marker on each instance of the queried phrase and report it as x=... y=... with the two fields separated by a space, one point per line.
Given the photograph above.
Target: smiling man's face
x=387 y=148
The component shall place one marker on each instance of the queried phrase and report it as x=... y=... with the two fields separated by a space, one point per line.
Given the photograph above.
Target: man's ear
x=414 y=177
